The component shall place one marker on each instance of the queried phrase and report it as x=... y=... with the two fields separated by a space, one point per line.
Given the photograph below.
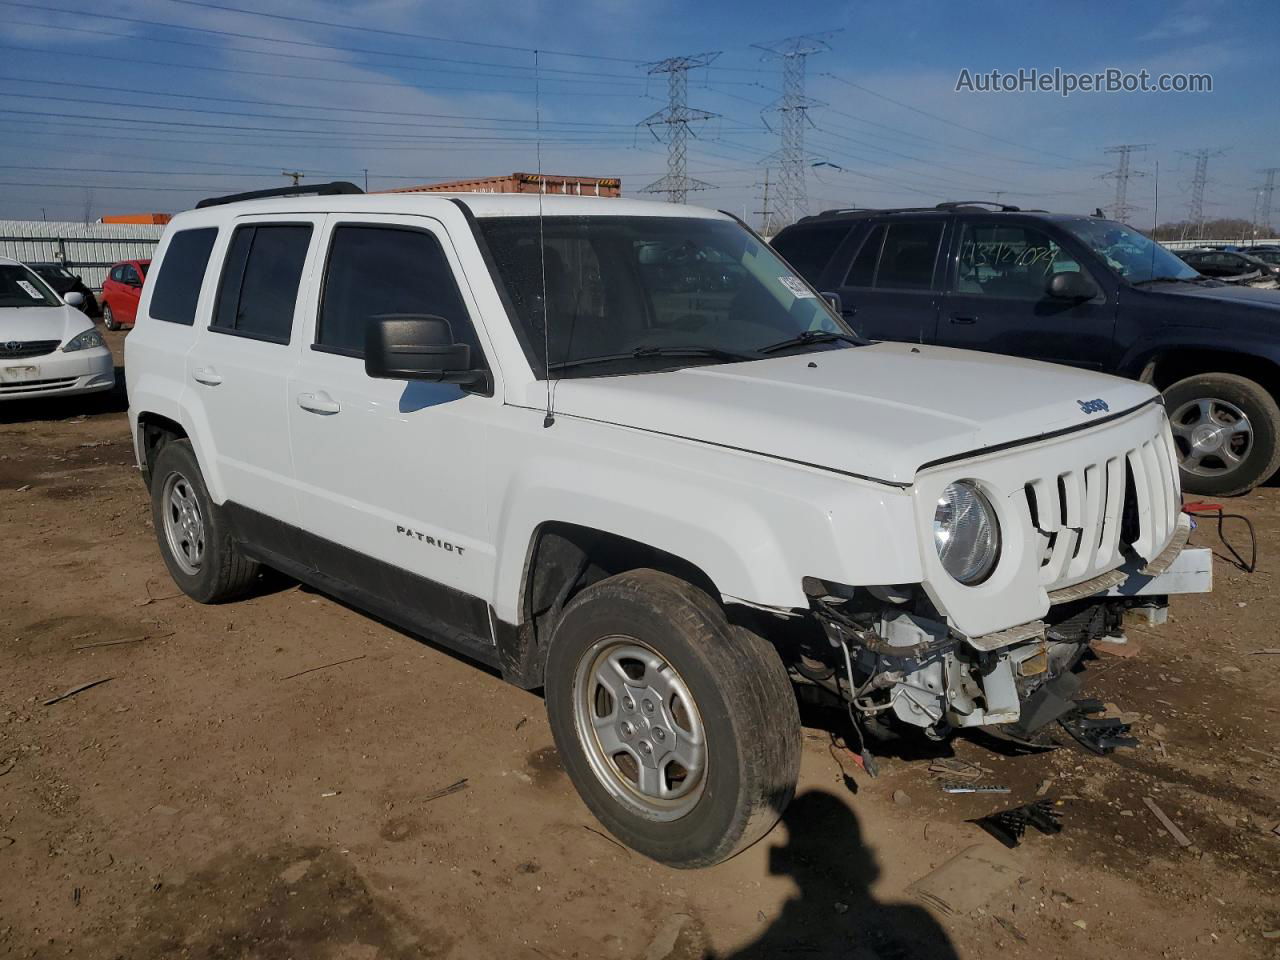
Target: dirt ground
x=214 y=799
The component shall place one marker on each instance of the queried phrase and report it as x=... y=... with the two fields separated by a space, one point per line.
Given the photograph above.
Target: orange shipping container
x=152 y=218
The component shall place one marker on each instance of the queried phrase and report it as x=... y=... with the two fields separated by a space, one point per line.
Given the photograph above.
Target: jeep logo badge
x=1093 y=406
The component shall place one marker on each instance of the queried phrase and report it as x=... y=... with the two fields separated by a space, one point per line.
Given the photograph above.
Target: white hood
x=880 y=411
x=41 y=323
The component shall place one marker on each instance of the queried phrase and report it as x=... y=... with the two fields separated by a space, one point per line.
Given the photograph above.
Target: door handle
x=318 y=402
x=206 y=375
x=963 y=320
x=848 y=311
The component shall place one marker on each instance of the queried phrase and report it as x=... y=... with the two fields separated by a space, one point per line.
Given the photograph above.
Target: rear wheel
x=1227 y=431
x=203 y=559
x=679 y=730
x=109 y=318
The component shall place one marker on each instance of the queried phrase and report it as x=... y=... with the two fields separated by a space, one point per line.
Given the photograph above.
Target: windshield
x=635 y=294
x=19 y=287
x=1130 y=254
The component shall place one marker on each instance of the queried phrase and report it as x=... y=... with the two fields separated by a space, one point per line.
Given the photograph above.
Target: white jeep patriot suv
x=619 y=451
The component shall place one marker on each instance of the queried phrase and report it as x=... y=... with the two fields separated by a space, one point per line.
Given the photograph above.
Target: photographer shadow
x=835 y=913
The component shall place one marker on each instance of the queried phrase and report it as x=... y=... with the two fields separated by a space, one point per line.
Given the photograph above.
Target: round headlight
x=966 y=533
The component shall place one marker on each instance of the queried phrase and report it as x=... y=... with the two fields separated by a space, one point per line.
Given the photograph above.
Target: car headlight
x=966 y=533
x=83 y=341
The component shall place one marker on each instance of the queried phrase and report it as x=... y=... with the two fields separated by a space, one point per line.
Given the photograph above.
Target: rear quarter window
x=177 y=285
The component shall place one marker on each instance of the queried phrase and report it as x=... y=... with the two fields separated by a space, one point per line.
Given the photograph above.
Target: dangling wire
x=549 y=419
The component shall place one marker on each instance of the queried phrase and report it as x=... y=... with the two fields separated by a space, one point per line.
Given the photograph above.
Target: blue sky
x=137 y=113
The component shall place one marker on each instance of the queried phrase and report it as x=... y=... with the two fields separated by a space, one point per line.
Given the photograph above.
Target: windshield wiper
x=810 y=336
x=644 y=353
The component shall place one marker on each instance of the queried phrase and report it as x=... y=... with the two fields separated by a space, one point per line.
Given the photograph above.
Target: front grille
x=1089 y=517
x=17 y=349
x=27 y=386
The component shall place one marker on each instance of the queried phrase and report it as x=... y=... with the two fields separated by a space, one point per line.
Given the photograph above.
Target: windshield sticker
x=32 y=291
x=797 y=287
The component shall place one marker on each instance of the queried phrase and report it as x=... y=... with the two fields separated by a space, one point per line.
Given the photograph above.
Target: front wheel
x=679 y=730
x=1227 y=431
x=109 y=318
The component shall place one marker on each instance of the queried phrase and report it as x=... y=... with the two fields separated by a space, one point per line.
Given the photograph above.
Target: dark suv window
x=810 y=248
x=1010 y=261
x=898 y=256
x=260 y=280
x=863 y=271
x=376 y=271
x=177 y=287
x=909 y=253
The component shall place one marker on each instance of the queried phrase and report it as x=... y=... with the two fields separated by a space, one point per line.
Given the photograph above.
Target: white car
x=47 y=346
x=619 y=451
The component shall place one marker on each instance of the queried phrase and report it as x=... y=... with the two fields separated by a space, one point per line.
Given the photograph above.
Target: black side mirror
x=413 y=346
x=1071 y=285
x=833 y=298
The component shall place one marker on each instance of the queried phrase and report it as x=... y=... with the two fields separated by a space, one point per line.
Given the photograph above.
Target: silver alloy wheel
x=183 y=523
x=640 y=728
x=1213 y=436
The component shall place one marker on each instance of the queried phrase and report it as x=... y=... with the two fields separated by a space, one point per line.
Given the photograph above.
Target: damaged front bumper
x=902 y=659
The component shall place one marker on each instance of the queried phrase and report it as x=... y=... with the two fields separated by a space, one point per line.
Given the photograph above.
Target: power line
x=345 y=81
x=398 y=33
x=674 y=123
x=312 y=44
x=296 y=106
x=953 y=123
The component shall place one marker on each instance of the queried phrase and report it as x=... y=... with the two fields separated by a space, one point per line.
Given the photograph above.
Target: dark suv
x=1070 y=289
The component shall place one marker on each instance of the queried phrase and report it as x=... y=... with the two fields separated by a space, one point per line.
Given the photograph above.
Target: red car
x=120 y=293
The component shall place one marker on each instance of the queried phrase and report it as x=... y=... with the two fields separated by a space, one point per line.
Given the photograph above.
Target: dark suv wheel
x=679 y=730
x=203 y=559
x=1227 y=431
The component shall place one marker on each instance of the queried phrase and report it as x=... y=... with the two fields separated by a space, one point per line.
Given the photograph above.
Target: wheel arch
x=563 y=559
x=1166 y=367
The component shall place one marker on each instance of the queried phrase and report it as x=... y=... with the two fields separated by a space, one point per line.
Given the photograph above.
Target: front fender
x=754 y=526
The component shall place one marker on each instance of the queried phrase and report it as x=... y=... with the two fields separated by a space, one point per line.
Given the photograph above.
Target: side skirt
x=417 y=604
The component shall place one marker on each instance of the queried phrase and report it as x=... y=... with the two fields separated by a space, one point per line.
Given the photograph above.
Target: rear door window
x=810 y=248
x=260 y=279
x=177 y=286
x=909 y=254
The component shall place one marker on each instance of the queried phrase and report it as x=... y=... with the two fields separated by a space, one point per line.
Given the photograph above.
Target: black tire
x=109 y=318
x=742 y=693
x=1261 y=459
x=224 y=572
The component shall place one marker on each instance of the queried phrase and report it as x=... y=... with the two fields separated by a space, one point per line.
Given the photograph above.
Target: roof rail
x=296 y=190
x=954 y=204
